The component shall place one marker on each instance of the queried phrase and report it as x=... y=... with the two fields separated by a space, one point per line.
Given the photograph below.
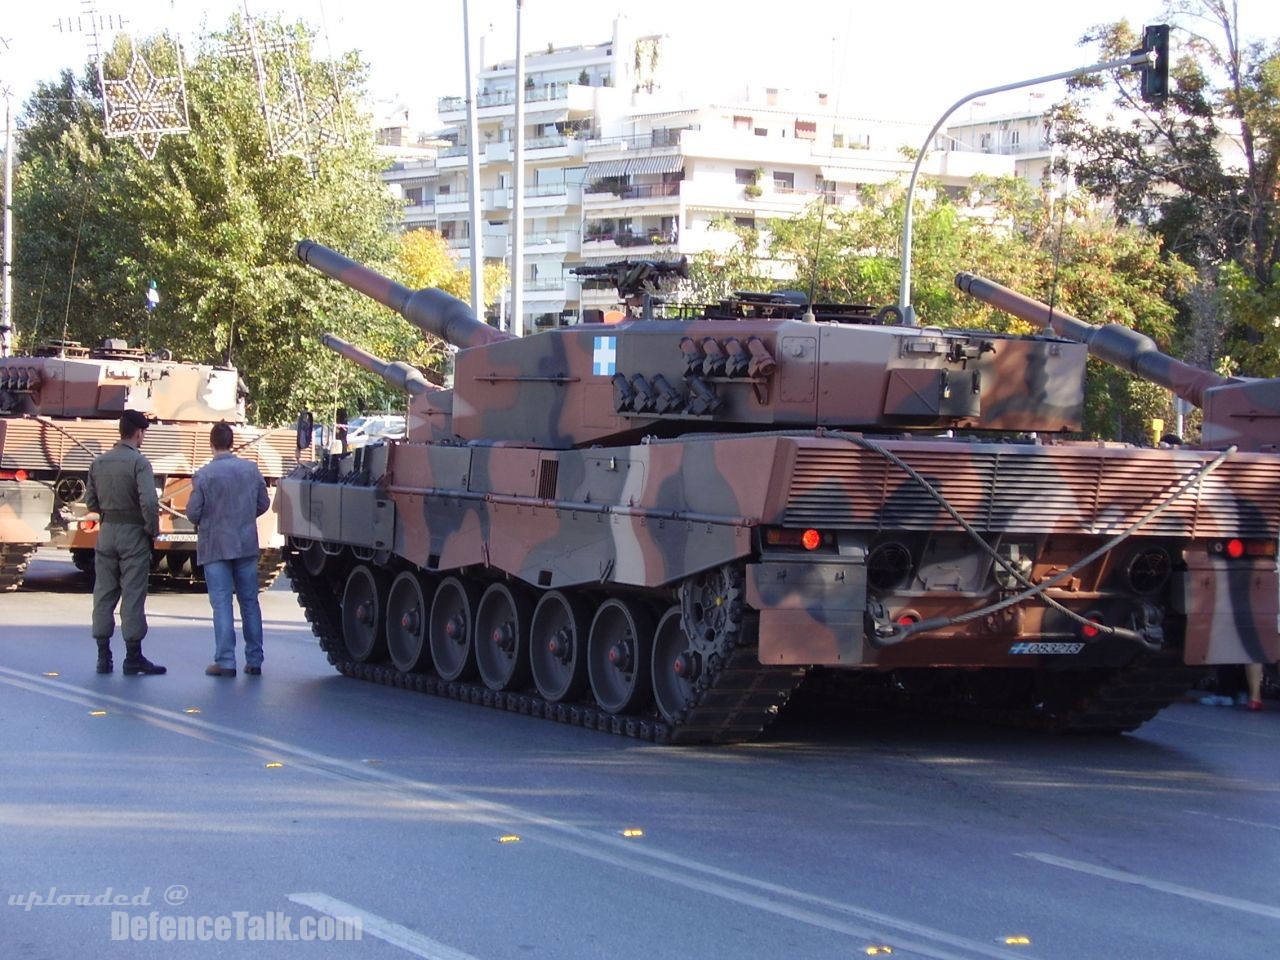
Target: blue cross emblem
x=604 y=358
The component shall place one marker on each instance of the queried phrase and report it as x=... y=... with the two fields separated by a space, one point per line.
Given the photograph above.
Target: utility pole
x=473 y=168
x=517 y=191
x=6 y=302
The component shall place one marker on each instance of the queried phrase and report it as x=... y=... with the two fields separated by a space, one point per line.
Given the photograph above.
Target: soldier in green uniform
x=122 y=490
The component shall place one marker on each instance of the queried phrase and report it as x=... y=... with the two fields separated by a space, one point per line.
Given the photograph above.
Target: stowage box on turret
x=60 y=408
x=659 y=527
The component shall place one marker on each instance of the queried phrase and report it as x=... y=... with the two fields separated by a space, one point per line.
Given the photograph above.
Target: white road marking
x=604 y=848
x=375 y=926
x=1120 y=876
x=1247 y=823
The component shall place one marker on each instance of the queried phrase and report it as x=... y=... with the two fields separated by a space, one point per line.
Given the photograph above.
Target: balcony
x=498 y=102
x=604 y=240
x=558 y=242
x=643 y=141
x=639 y=191
x=452 y=203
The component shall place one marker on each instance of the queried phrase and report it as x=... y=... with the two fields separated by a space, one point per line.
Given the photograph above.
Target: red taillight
x=18 y=475
x=782 y=537
x=1087 y=630
x=1235 y=548
x=907 y=618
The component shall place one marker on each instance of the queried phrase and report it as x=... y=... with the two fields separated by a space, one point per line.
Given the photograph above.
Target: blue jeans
x=238 y=576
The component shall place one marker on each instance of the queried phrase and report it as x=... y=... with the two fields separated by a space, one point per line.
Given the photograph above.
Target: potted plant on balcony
x=753 y=189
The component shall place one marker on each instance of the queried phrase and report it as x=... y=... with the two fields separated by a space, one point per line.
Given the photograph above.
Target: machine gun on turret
x=635 y=280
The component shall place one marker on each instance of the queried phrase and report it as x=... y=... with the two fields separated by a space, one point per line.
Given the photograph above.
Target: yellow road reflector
x=191 y=710
x=633 y=832
x=97 y=713
x=879 y=951
x=507 y=838
x=274 y=764
x=1018 y=941
x=52 y=673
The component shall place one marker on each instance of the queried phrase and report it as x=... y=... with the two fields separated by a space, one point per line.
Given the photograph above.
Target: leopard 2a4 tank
x=660 y=527
x=60 y=407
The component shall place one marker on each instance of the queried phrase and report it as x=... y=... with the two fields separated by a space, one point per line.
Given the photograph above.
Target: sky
x=907 y=60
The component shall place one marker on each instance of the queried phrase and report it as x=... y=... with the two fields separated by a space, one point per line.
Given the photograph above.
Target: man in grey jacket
x=228 y=495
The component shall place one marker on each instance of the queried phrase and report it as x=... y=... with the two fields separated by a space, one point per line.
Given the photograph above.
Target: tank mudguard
x=26 y=509
x=1232 y=608
x=812 y=611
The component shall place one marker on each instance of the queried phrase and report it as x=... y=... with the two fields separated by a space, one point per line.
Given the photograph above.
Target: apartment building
x=616 y=167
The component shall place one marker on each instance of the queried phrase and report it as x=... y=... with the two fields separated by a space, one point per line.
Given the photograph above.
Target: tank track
x=270 y=566
x=736 y=706
x=14 y=558
x=1103 y=702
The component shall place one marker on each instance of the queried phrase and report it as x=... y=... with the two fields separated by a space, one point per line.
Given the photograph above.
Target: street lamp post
x=1138 y=58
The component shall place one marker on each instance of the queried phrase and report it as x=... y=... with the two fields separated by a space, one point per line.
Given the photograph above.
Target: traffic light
x=1155 y=77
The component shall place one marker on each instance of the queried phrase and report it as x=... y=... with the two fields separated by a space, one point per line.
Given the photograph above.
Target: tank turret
x=1238 y=411
x=658 y=527
x=763 y=368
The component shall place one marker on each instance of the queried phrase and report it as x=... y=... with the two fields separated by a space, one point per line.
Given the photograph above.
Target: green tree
x=1200 y=169
x=213 y=220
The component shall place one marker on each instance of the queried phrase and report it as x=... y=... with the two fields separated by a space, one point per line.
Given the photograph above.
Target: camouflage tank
x=60 y=407
x=659 y=528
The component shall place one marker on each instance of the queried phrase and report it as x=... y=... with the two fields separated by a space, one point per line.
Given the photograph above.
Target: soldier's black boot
x=104 y=655
x=135 y=662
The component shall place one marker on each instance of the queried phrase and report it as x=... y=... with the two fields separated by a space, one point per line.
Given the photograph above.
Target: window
x=823 y=185
x=806 y=130
x=984 y=142
x=742 y=123
x=784 y=182
x=762 y=132
x=743 y=175
x=771 y=96
x=837 y=139
x=747 y=222
x=1014 y=137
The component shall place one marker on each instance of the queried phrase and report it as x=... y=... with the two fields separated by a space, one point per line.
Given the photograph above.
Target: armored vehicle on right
x=660 y=527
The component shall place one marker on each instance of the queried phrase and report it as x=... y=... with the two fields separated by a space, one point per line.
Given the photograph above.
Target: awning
x=661 y=164
x=665 y=163
x=606 y=168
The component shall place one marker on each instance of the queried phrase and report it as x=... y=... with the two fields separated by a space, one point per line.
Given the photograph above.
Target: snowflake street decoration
x=144 y=106
x=294 y=126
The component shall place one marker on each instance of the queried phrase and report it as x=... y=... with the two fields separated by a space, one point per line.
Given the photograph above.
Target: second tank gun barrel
x=1115 y=343
x=402 y=375
x=430 y=310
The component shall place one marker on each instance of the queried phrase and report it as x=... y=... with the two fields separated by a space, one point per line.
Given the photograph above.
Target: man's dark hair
x=221 y=437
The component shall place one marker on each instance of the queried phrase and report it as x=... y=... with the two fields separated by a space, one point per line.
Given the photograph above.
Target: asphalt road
x=263 y=806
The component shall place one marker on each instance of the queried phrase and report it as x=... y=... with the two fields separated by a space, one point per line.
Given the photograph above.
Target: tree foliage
x=213 y=220
x=1200 y=170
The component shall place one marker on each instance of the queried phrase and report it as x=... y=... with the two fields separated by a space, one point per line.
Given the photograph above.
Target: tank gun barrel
x=1118 y=345
x=397 y=373
x=430 y=310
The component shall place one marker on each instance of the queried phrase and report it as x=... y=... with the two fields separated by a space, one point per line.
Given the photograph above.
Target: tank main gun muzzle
x=430 y=310
x=1118 y=345
x=397 y=373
